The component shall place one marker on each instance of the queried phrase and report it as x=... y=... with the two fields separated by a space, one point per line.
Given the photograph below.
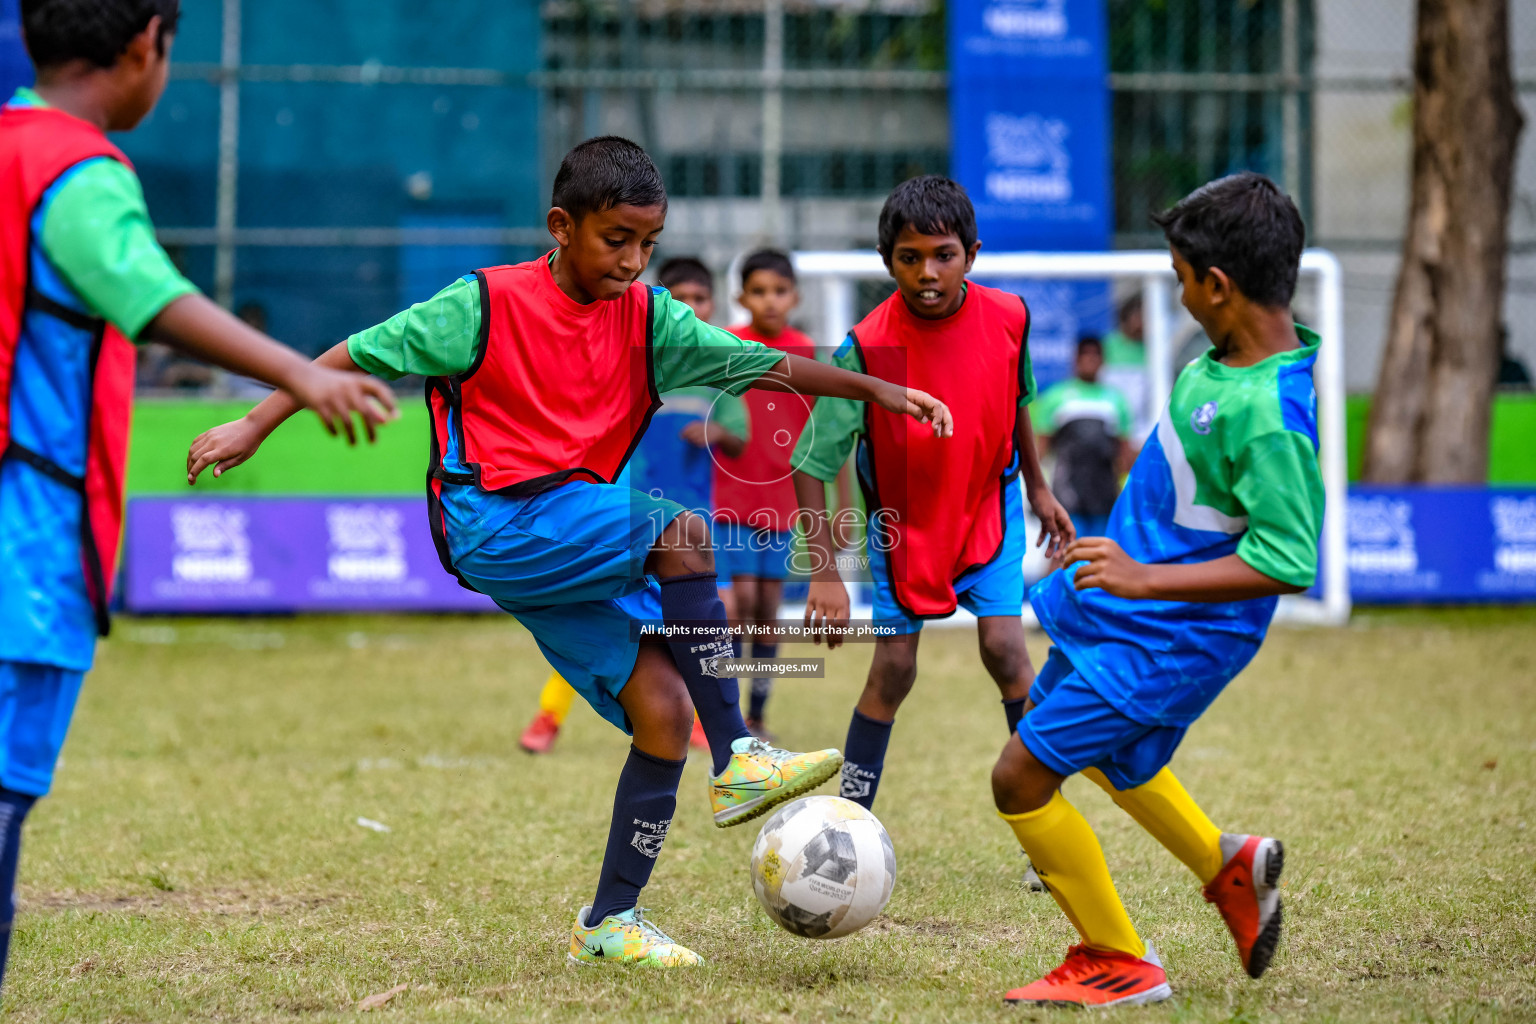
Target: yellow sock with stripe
x=1068 y=859
x=1166 y=810
x=557 y=698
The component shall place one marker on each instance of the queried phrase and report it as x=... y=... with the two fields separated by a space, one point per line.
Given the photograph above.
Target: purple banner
x=286 y=554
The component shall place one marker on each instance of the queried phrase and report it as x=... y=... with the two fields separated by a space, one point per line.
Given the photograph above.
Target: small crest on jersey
x=1201 y=419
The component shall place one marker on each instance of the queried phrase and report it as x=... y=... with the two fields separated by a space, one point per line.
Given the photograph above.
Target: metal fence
x=782 y=120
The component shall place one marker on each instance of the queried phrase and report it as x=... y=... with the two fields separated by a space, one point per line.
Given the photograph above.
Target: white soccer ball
x=823 y=867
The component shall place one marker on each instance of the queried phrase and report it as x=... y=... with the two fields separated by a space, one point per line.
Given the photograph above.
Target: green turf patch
x=201 y=857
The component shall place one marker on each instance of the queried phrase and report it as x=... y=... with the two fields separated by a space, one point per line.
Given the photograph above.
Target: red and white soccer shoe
x=540 y=734
x=1247 y=893
x=1090 y=977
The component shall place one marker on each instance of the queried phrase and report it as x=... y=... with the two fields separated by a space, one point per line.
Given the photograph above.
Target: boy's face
x=1208 y=299
x=607 y=251
x=1090 y=360
x=696 y=296
x=930 y=271
x=769 y=297
x=142 y=70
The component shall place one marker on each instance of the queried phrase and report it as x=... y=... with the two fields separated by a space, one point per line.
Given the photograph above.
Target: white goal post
x=836 y=274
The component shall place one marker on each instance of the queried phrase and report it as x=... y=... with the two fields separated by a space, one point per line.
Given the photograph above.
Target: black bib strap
x=46 y=466
x=43 y=304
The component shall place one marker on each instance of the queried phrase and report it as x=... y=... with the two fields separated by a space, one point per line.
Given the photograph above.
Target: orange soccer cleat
x=1246 y=892
x=1091 y=977
x=540 y=734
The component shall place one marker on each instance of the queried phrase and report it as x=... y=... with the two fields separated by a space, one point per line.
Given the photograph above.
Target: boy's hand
x=224 y=447
x=827 y=605
x=920 y=405
x=1055 y=524
x=337 y=395
x=1109 y=568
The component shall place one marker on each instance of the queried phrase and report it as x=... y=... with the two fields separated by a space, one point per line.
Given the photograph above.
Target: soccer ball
x=823 y=867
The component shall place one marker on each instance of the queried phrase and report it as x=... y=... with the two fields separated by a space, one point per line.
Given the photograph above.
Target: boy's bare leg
x=1006 y=658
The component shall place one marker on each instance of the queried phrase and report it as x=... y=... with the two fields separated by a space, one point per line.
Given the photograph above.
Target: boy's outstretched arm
x=827 y=602
x=196 y=325
x=798 y=375
x=1222 y=579
x=226 y=446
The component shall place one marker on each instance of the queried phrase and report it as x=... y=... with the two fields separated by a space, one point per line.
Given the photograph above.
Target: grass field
x=200 y=858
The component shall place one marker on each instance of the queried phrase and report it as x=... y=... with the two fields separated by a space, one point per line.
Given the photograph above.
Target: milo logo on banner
x=1029 y=159
x=1514 y=535
x=211 y=544
x=366 y=544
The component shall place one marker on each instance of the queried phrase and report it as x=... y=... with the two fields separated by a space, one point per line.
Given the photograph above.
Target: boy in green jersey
x=1085 y=424
x=1221 y=515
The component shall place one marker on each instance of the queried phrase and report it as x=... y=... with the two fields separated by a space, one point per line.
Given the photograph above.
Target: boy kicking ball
x=541 y=379
x=1220 y=516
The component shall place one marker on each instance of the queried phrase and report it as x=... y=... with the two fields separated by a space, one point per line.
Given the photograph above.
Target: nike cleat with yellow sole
x=759 y=778
x=626 y=938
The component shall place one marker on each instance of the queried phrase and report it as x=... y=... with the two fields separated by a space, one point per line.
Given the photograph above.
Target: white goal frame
x=837 y=272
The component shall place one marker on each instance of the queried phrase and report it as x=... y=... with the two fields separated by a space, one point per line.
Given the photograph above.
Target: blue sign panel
x=1030 y=121
x=1441 y=544
x=15 y=65
x=989 y=38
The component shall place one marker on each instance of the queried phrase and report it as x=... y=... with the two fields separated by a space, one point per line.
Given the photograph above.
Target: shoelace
x=650 y=929
x=1078 y=963
x=774 y=754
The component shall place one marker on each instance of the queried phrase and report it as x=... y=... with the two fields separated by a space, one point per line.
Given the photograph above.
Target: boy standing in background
x=82 y=279
x=755 y=504
x=1085 y=425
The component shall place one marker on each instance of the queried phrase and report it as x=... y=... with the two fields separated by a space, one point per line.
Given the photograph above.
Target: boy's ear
x=970 y=254
x=1219 y=286
x=561 y=225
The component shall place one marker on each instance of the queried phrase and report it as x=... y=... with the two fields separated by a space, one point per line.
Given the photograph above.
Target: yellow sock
x=557 y=697
x=1067 y=857
x=1165 y=809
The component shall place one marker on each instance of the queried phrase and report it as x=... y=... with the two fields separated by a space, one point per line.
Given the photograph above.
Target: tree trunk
x=1430 y=419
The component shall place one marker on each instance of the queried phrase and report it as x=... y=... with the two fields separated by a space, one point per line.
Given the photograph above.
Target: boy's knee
x=893 y=673
x=684 y=548
x=1020 y=783
x=1004 y=653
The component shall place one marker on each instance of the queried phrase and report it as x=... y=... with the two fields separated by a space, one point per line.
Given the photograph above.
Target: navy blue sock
x=13 y=811
x=762 y=686
x=864 y=758
x=643 y=804
x=1013 y=710
x=693 y=601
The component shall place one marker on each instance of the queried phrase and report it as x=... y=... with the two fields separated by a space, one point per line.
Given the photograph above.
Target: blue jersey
x=1231 y=468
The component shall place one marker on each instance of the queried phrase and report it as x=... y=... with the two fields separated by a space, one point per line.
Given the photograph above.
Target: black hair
x=931 y=205
x=771 y=260
x=605 y=172
x=1246 y=226
x=684 y=269
x=59 y=31
x=1131 y=304
x=1090 y=341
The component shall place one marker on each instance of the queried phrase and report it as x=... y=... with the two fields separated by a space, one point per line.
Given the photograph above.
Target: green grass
x=200 y=860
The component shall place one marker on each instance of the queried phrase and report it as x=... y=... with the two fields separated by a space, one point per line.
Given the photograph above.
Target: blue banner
x=1442 y=544
x=1029 y=116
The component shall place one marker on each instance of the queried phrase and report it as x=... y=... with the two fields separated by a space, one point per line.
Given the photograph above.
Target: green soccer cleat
x=759 y=778
x=626 y=938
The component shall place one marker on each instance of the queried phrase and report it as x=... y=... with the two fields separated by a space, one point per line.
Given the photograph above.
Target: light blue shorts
x=1072 y=726
x=36 y=705
x=996 y=588
x=570 y=565
x=741 y=550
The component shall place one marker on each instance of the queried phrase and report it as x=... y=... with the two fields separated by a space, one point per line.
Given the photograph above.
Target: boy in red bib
x=755 y=504
x=946 y=522
x=81 y=280
x=541 y=378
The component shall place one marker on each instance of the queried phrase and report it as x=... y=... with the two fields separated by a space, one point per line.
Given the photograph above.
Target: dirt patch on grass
x=221 y=902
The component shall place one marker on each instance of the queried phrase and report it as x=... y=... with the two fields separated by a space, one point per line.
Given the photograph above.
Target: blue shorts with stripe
x=569 y=563
x=1072 y=726
x=36 y=705
x=996 y=588
x=741 y=550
